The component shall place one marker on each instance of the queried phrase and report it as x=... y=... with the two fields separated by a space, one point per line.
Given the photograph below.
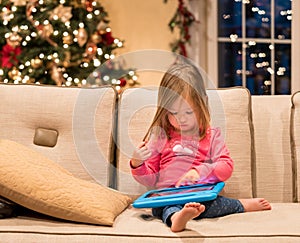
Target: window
x=254 y=45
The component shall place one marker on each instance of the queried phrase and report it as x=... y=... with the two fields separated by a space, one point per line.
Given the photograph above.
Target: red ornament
x=91 y=49
x=107 y=38
x=89 y=5
x=123 y=82
x=9 y=56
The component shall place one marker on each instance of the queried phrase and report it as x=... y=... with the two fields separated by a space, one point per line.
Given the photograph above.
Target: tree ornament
x=6 y=14
x=68 y=39
x=56 y=74
x=61 y=12
x=89 y=5
x=101 y=27
x=131 y=83
x=36 y=62
x=13 y=39
x=96 y=38
x=66 y=61
x=29 y=7
x=14 y=74
x=91 y=49
x=81 y=36
x=45 y=30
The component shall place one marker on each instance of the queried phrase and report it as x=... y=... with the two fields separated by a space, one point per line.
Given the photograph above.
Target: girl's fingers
x=142 y=144
x=145 y=150
x=186 y=181
x=179 y=183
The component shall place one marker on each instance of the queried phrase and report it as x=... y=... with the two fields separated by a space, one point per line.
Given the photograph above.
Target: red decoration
x=9 y=56
x=89 y=5
x=90 y=51
x=123 y=82
x=107 y=38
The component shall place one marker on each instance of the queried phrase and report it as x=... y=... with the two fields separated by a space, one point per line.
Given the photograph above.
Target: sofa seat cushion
x=277 y=225
x=35 y=182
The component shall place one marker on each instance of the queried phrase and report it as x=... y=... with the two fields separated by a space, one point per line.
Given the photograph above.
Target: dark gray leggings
x=221 y=206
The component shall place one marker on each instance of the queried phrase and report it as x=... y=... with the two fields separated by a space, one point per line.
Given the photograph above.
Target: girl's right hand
x=140 y=154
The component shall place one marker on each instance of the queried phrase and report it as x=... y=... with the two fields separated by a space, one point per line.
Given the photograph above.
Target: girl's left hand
x=191 y=177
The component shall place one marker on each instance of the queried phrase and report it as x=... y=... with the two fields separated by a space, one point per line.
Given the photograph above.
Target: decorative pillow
x=35 y=182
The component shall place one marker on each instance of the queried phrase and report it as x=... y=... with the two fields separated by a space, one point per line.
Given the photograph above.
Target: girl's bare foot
x=188 y=212
x=255 y=204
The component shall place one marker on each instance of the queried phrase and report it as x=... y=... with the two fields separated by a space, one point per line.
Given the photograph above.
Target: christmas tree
x=58 y=42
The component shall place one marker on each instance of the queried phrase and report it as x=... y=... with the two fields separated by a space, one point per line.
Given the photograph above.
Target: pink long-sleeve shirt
x=171 y=159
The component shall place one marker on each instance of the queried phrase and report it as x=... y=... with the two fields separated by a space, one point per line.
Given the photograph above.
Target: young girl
x=180 y=148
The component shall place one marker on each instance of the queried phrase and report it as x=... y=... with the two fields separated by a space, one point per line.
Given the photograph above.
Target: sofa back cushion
x=230 y=110
x=295 y=144
x=271 y=120
x=71 y=126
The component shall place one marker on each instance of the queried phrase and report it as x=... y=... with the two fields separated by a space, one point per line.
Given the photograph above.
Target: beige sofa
x=93 y=132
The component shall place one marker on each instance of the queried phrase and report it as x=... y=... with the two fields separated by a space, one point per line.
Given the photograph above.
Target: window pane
x=255 y=45
x=229 y=18
x=283 y=17
x=258 y=19
x=258 y=62
x=230 y=64
x=282 y=68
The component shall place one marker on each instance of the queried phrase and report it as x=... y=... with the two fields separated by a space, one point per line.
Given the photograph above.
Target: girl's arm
x=219 y=167
x=147 y=172
x=145 y=165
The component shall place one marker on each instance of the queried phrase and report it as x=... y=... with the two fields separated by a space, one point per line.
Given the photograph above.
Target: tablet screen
x=180 y=191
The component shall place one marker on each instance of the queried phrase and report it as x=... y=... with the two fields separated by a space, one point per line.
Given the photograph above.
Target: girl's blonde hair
x=181 y=80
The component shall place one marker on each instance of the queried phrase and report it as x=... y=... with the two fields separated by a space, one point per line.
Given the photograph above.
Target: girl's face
x=182 y=117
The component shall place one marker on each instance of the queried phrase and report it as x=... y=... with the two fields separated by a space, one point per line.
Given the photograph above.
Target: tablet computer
x=178 y=195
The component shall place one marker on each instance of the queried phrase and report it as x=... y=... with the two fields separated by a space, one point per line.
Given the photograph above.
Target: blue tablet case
x=178 y=195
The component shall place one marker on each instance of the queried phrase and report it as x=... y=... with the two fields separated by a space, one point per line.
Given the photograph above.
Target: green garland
x=182 y=19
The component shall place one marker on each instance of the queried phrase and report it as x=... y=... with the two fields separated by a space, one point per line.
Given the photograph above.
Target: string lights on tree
x=58 y=42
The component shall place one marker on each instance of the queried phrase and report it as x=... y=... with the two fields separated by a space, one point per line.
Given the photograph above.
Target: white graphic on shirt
x=179 y=149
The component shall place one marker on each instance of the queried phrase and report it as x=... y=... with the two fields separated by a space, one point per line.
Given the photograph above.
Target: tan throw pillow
x=35 y=182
